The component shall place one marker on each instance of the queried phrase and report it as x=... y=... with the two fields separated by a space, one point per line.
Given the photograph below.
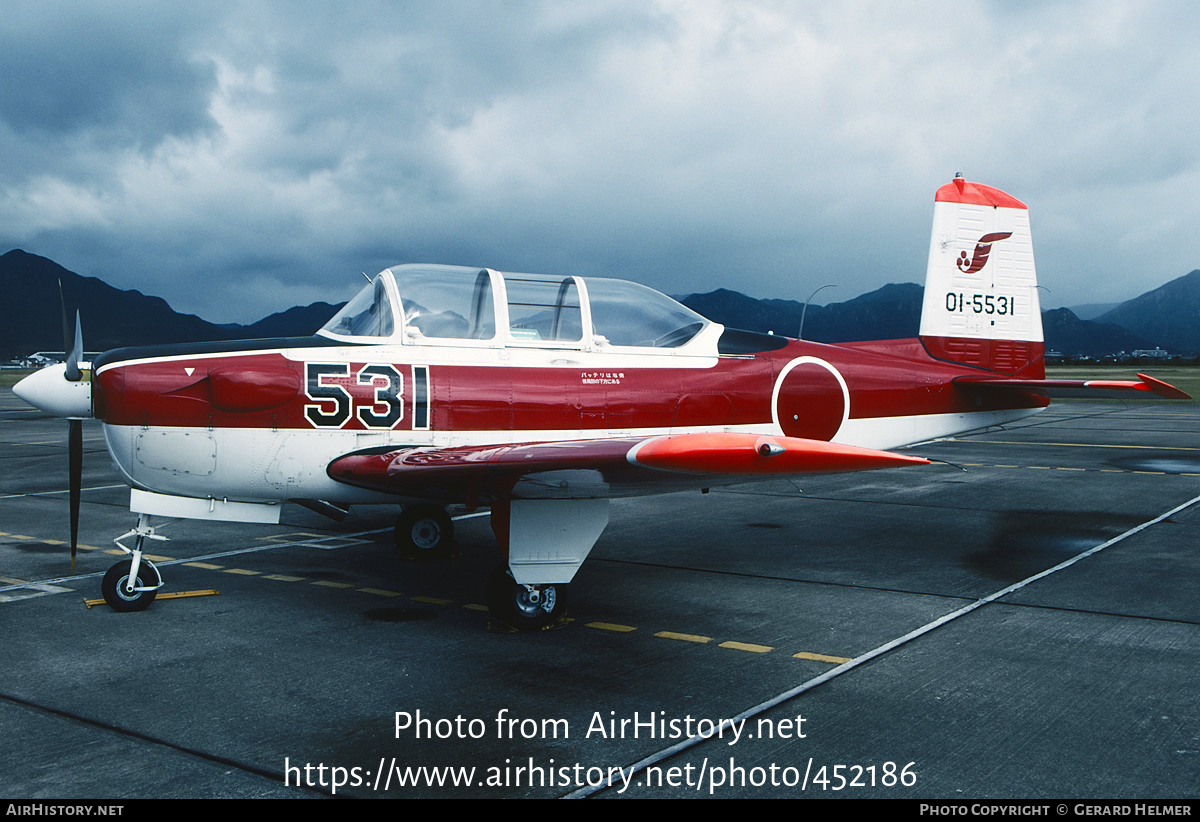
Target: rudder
x=981 y=304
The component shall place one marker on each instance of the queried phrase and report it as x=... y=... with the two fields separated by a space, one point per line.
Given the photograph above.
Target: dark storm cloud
x=239 y=158
x=122 y=74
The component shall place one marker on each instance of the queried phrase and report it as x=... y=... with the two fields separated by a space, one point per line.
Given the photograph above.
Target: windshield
x=369 y=314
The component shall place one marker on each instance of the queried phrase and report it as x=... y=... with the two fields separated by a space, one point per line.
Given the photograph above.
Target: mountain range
x=31 y=312
x=1167 y=317
x=31 y=316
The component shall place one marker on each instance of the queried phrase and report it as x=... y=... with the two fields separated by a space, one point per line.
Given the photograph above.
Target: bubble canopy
x=458 y=305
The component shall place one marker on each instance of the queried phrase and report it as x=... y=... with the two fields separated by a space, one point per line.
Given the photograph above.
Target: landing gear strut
x=524 y=607
x=424 y=531
x=132 y=584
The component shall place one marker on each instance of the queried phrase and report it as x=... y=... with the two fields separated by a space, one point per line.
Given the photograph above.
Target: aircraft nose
x=51 y=391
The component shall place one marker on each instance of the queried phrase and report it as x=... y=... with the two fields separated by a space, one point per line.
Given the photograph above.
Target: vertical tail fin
x=981 y=303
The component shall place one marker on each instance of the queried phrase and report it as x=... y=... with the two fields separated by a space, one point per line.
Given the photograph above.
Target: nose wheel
x=524 y=607
x=132 y=584
x=126 y=592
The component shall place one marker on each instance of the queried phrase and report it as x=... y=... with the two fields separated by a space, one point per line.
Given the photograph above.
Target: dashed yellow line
x=81 y=545
x=747 y=646
x=683 y=637
x=117 y=552
x=836 y=660
x=698 y=639
x=612 y=626
x=381 y=592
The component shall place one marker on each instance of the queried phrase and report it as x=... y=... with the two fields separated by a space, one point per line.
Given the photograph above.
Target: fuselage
x=261 y=420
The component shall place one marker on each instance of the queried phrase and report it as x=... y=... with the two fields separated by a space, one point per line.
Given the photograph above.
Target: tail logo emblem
x=969 y=265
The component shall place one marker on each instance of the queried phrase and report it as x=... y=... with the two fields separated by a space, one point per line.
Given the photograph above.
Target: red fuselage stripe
x=268 y=390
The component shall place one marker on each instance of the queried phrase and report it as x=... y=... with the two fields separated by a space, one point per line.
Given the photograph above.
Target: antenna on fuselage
x=367 y=278
x=803 y=313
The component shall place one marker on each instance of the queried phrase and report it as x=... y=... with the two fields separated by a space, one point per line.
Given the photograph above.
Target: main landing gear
x=544 y=540
x=427 y=532
x=132 y=584
x=424 y=531
x=524 y=607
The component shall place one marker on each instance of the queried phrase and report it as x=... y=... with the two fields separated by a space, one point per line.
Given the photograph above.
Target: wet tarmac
x=890 y=634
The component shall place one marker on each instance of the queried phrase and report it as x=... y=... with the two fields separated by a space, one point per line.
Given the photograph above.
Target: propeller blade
x=73 y=350
x=76 y=354
x=70 y=344
x=75 y=480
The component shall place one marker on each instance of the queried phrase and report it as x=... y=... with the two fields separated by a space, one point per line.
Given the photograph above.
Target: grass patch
x=11 y=376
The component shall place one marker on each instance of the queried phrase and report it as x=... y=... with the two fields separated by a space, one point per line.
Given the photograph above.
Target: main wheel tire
x=424 y=531
x=514 y=605
x=119 y=599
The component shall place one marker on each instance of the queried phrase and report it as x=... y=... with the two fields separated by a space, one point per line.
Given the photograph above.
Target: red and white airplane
x=542 y=397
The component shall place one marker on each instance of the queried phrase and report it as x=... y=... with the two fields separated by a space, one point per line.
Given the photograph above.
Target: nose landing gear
x=132 y=584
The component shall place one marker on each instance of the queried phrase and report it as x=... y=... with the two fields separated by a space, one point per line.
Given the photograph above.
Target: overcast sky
x=240 y=158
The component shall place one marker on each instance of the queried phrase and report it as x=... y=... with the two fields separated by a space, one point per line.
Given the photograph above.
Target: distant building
x=40 y=359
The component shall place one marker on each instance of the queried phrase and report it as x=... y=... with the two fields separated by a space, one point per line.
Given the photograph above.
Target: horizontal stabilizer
x=1093 y=389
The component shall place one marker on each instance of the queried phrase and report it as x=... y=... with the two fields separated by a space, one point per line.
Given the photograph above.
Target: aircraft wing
x=623 y=466
x=1093 y=389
